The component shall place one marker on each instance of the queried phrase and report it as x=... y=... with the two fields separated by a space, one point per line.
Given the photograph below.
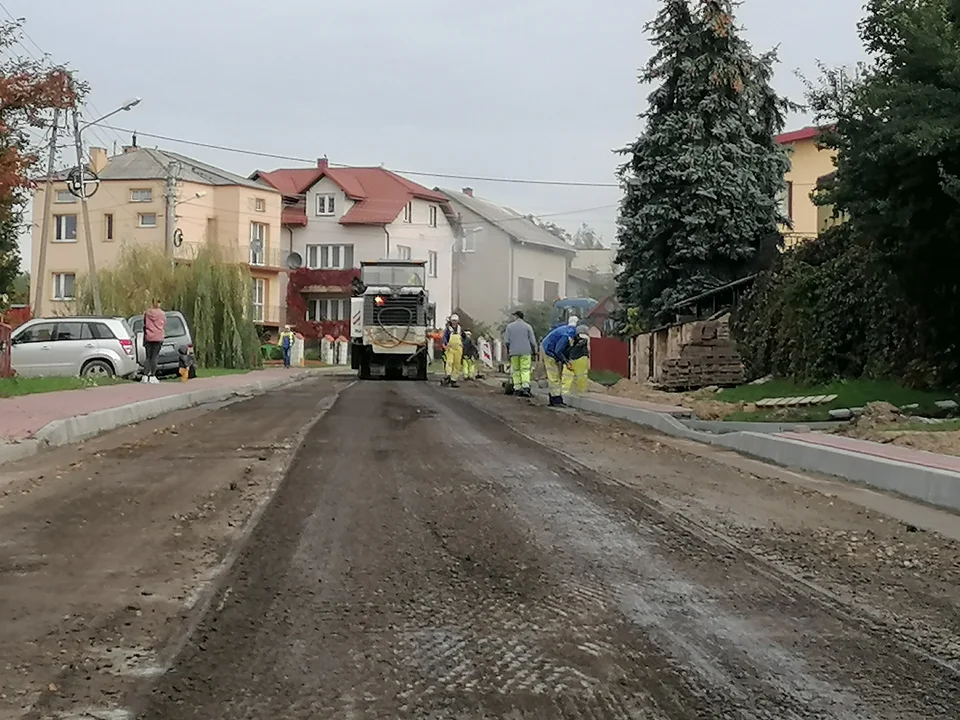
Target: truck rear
x=390 y=319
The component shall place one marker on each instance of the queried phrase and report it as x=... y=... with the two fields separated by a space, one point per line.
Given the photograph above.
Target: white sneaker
x=144 y=379
x=154 y=380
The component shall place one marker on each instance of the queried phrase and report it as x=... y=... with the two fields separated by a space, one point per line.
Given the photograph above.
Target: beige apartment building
x=211 y=205
x=808 y=163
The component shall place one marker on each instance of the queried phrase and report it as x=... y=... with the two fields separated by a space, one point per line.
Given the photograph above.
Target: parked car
x=177 y=334
x=85 y=346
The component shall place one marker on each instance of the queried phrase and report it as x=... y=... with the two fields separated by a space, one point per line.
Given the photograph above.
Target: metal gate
x=6 y=367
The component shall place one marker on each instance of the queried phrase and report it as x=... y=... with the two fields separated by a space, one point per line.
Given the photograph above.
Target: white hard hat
x=455 y=317
x=573 y=321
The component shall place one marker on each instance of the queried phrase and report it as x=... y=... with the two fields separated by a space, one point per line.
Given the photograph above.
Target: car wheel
x=97 y=369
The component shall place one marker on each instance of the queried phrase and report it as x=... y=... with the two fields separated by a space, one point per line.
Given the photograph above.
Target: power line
x=420 y=173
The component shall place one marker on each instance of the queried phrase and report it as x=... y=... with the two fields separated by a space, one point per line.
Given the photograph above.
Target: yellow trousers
x=554 y=374
x=453 y=358
x=574 y=378
x=469 y=368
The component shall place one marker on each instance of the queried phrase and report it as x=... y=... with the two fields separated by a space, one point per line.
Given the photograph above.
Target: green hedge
x=828 y=309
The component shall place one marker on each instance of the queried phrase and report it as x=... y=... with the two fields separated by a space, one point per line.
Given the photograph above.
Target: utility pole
x=45 y=221
x=85 y=210
x=170 y=220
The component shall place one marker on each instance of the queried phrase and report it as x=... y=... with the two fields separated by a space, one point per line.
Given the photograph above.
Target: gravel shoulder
x=424 y=559
x=106 y=547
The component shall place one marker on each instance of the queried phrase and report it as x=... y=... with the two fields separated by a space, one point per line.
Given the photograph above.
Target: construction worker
x=470 y=356
x=556 y=349
x=453 y=351
x=285 y=341
x=575 y=374
x=521 y=345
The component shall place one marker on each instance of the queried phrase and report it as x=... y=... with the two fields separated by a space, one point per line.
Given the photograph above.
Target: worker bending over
x=556 y=359
x=453 y=351
x=577 y=370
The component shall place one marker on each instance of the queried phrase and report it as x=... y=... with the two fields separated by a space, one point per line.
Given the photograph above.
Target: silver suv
x=85 y=346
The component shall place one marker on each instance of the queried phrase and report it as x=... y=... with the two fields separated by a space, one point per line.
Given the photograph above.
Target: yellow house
x=210 y=205
x=808 y=163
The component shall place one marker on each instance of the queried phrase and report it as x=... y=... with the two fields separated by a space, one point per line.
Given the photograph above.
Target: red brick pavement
x=950 y=463
x=21 y=417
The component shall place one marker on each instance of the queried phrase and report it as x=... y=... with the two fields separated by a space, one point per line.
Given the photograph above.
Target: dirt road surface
x=457 y=554
x=106 y=548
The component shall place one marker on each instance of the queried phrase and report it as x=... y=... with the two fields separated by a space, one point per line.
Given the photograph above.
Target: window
x=65 y=228
x=329 y=310
x=143 y=195
x=63 y=284
x=65 y=196
x=174 y=329
x=786 y=200
x=432 y=263
x=258 y=243
x=326 y=204
x=259 y=298
x=469 y=243
x=433 y=216
x=41 y=332
x=108 y=227
x=525 y=289
x=97 y=331
x=408 y=212
x=69 y=331
x=147 y=220
x=260 y=205
x=551 y=291
x=404 y=252
x=329 y=257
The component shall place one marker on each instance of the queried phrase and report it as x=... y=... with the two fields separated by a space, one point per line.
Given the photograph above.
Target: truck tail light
x=127 y=346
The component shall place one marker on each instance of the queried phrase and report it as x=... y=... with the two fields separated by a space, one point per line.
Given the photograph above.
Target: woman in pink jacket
x=154 y=331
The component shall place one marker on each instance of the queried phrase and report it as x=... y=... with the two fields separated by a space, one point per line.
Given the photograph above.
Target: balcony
x=269 y=258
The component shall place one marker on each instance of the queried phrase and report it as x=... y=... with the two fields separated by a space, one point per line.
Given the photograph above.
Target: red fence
x=6 y=368
x=610 y=355
x=16 y=316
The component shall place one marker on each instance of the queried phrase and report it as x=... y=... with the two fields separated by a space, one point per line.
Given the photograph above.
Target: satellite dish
x=294 y=261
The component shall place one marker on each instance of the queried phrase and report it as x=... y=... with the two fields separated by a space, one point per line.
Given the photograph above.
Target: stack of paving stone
x=709 y=359
x=799 y=401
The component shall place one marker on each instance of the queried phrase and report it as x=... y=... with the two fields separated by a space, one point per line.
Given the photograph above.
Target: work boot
x=525 y=393
x=454 y=384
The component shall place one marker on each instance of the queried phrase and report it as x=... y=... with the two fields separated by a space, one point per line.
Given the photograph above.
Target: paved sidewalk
x=21 y=417
x=897 y=453
x=677 y=411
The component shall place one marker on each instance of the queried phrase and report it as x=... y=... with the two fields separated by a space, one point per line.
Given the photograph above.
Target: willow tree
x=214 y=295
x=702 y=181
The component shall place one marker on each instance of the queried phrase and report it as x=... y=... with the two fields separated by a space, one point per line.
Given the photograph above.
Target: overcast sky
x=529 y=89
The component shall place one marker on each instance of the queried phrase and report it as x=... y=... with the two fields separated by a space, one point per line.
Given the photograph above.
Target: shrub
x=214 y=296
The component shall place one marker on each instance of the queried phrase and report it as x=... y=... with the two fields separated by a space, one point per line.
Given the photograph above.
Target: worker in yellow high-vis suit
x=577 y=370
x=470 y=356
x=453 y=351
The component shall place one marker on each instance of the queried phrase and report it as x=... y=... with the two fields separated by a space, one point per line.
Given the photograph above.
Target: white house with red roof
x=335 y=217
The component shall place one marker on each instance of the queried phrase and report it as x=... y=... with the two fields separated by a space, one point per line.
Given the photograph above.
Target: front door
x=32 y=351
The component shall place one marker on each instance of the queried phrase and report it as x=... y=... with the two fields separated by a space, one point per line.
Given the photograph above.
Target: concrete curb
x=67 y=431
x=930 y=485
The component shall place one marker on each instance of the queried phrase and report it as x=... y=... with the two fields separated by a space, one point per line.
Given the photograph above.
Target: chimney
x=468 y=192
x=98 y=159
x=322 y=163
x=129 y=148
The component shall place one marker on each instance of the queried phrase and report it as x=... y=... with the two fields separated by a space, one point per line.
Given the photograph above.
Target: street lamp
x=128 y=105
x=77 y=130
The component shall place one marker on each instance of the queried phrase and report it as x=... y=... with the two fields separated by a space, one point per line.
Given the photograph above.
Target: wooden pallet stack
x=710 y=357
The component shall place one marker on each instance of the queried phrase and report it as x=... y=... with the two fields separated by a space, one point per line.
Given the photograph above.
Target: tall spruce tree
x=702 y=181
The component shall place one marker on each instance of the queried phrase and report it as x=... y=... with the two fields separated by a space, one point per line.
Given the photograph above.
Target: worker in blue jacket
x=556 y=357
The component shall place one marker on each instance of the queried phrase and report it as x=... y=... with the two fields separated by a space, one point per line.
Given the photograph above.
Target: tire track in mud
x=425 y=561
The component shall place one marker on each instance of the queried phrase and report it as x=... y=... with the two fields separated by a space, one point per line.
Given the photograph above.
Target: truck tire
x=422 y=366
x=364 y=365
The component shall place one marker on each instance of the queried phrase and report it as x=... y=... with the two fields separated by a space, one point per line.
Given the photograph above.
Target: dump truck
x=390 y=316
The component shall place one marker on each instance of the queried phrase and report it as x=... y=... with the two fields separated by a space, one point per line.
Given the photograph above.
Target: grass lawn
x=17 y=386
x=850 y=393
